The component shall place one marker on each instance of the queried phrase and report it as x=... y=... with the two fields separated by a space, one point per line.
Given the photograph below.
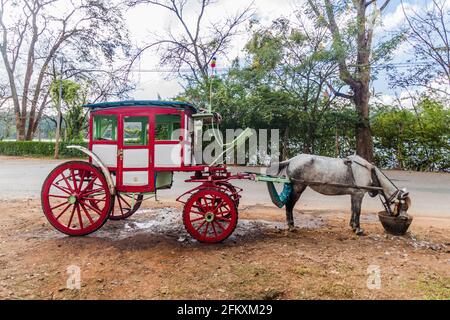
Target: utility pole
x=58 y=118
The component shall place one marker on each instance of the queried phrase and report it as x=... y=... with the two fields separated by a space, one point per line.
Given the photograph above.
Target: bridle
x=385 y=200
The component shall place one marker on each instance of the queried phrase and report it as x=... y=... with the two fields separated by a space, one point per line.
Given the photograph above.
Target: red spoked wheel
x=68 y=195
x=210 y=215
x=125 y=205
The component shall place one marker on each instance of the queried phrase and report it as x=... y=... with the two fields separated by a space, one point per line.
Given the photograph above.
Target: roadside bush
x=40 y=148
x=413 y=139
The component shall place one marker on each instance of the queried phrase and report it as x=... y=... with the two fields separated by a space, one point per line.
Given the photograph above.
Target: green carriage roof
x=141 y=103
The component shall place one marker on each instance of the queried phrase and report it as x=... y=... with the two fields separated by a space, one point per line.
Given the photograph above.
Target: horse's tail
x=278 y=168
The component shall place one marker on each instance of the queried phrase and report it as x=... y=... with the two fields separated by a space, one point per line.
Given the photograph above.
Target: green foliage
x=285 y=81
x=282 y=85
x=39 y=148
x=73 y=97
x=417 y=139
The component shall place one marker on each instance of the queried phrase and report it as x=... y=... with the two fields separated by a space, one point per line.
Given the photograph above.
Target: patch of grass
x=254 y=282
x=435 y=287
x=336 y=291
x=302 y=271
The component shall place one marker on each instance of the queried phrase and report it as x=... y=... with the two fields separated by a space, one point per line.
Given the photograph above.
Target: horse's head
x=401 y=203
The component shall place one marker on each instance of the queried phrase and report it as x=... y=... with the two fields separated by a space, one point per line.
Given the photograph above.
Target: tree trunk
x=31 y=125
x=20 y=127
x=364 y=143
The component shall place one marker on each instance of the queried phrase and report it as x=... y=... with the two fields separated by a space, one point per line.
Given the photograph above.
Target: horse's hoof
x=359 y=231
x=291 y=228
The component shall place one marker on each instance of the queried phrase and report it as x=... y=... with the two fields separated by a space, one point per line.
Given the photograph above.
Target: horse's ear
x=408 y=202
x=403 y=194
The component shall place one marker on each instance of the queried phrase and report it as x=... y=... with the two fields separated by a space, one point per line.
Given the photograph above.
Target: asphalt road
x=430 y=192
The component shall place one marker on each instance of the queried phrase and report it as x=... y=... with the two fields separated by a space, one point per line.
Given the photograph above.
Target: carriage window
x=105 y=128
x=167 y=126
x=135 y=131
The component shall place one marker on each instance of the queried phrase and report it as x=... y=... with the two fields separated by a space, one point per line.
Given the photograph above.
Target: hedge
x=40 y=148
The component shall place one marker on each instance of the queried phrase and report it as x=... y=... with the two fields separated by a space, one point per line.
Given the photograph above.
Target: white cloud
x=385 y=99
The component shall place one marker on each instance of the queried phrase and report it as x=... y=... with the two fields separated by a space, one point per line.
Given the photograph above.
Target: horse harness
x=386 y=201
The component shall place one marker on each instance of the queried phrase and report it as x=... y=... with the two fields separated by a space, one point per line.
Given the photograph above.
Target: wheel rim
x=125 y=205
x=76 y=199
x=210 y=216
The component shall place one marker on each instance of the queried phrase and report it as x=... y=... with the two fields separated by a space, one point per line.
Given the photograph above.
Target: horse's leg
x=354 y=200
x=295 y=194
x=356 y=212
x=352 y=218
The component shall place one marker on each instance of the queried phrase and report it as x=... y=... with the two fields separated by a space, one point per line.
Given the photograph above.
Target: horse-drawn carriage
x=134 y=149
x=136 y=146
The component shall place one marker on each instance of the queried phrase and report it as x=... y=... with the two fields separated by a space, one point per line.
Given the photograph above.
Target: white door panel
x=135 y=178
x=167 y=155
x=135 y=158
x=107 y=153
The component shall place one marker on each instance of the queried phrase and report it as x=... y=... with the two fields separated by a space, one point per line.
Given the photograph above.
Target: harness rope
x=387 y=200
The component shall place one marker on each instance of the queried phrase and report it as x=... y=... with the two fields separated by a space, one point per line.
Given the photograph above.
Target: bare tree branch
x=196 y=45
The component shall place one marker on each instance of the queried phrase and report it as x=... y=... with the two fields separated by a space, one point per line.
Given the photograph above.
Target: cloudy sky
x=146 y=20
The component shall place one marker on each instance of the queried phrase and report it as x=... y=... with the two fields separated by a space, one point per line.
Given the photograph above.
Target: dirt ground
x=150 y=256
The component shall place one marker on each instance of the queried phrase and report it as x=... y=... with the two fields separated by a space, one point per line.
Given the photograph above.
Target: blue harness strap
x=279 y=199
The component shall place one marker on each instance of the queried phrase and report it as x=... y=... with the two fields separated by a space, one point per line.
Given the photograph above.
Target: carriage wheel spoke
x=206 y=229
x=57 y=196
x=200 y=226
x=120 y=205
x=224 y=212
x=72 y=174
x=59 y=205
x=92 y=208
x=66 y=181
x=63 y=211
x=81 y=180
x=214 y=229
x=71 y=216
x=223 y=219
x=94 y=199
x=124 y=201
x=206 y=203
x=89 y=185
x=219 y=205
x=220 y=225
x=86 y=213
x=197 y=219
x=80 y=220
x=199 y=208
x=62 y=189
x=90 y=192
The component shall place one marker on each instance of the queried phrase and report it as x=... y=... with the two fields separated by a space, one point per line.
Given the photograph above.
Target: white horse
x=333 y=176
